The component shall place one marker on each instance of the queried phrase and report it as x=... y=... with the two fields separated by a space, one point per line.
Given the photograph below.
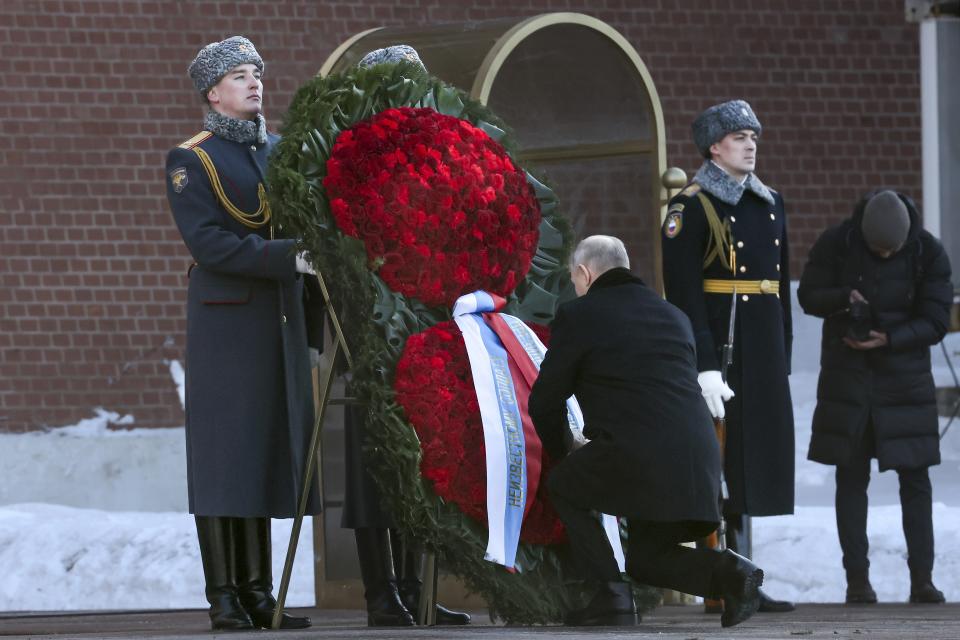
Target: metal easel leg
x=309 y=469
x=340 y=344
x=335 y=320
x=427 y=615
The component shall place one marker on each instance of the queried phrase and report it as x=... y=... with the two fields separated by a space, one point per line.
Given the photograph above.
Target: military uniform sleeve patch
x=179 y=180
x=673 y=223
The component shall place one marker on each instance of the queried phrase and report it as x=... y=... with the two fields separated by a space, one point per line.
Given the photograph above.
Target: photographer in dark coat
x=249 y=395
x=882 y=284
x=629 y=358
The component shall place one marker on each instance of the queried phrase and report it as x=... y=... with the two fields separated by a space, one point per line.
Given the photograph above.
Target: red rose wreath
x=402 y=190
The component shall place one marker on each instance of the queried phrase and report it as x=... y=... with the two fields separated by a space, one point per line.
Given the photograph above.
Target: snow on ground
x=95 y=515
x=95 y=464
x=801 y=557
x=64 y=558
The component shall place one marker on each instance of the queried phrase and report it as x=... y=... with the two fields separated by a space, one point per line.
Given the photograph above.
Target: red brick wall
x=94 y=93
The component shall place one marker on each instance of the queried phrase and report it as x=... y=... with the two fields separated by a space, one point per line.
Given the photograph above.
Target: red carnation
x=415 y=185
x=434 y=386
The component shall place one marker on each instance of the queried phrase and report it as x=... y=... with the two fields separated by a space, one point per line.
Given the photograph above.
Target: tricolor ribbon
x=505 y=356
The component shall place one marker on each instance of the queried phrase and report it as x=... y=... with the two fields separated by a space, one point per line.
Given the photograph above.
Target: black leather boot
x=255 y=574
x=219 y=571
x=384 y=607
x=612 y=606
x=737 y=582
x=740 y=540
x=410 y=585
x=410 y=594
x=922 y=590
x=859 y=589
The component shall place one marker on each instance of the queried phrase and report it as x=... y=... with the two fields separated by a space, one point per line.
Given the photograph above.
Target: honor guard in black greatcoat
x=389 y=563
x=725 y=251
x=249 y=401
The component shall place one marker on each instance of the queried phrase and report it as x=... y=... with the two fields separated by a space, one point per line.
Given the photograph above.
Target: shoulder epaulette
x=691 y=189
x=195 y=140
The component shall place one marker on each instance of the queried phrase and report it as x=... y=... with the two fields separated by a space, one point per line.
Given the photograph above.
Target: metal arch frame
x=334 y=57
x=513 y=37
x=501 y=50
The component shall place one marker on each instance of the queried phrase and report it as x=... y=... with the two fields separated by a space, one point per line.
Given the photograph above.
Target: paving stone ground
x=819 y=621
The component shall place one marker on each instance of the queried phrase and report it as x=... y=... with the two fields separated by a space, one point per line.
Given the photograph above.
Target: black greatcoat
x=249 y=401
x=629 y=358
x=759 y=455
x=910 y=296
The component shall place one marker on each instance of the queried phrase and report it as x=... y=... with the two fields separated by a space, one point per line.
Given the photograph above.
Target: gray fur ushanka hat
x=217 y=58
x=394 y=53
x=719 y=120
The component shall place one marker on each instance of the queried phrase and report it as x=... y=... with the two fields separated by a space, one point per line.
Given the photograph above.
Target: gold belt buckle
x=766 y=286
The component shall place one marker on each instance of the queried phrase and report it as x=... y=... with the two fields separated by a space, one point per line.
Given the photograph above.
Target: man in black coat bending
x=882 y=284
x=629 y=358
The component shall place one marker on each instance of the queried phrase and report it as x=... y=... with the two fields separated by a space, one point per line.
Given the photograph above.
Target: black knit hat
x=886 y=222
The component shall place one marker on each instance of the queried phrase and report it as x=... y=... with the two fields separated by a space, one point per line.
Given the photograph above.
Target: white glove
x=302 y=265
x=715 y=391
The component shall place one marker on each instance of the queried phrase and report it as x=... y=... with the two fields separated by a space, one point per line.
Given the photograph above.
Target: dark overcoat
x=759 y=455
x=249 y=400
x=628 y=356
x=910 y=296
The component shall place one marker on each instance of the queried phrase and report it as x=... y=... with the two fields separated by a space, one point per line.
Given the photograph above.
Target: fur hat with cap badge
x=217 y=58
x=719 y=120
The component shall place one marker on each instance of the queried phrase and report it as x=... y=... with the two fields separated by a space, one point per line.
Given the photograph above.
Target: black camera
x=860 y=321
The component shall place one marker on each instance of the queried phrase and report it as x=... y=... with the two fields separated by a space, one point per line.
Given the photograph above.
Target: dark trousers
x=654 y=554
x=916 y=504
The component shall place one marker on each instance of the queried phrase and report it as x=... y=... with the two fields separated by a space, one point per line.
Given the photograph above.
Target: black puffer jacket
x=910 y=296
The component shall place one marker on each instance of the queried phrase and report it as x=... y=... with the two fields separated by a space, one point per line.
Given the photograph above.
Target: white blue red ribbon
x=503 y=375
x=502 y=429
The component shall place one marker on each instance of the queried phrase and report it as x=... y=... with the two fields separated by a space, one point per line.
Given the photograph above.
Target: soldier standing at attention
x=725 y=243
x=249 y=402
x=389 y=562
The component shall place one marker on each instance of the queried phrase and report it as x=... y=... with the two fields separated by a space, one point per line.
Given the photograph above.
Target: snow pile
x=801 y=556
x=94 y=465
x=63 y=558
x=180 y=380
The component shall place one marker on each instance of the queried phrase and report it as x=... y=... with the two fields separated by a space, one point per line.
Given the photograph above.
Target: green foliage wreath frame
x=378 y=322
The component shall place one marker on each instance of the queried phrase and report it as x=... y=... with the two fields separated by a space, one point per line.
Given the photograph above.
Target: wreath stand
x=427 y=612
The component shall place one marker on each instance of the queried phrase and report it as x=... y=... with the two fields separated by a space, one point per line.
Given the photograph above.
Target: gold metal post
x=336 y=321
x=427 y=615
x=309 y=470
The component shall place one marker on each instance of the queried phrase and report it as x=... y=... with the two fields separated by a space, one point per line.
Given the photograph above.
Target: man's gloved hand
x=715 y=391
x=303 y=266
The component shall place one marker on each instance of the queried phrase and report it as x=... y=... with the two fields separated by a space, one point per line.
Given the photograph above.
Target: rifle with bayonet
x=717 y=539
